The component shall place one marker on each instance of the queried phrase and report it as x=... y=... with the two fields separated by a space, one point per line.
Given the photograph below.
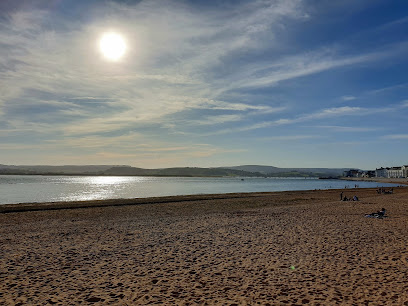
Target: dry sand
x=303 y=247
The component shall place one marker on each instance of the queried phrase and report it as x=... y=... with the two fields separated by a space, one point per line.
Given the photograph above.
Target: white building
x=395 y=172
x=405 y=171
x=381 y=172
x=392 y=172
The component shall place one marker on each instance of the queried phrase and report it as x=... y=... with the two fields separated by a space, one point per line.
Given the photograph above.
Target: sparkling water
x=37 y=188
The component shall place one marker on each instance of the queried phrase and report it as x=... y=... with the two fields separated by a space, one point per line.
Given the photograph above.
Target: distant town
x=388 y=172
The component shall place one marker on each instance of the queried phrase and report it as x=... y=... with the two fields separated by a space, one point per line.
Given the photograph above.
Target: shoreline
x=57 y=205
x=402 y=181
x=291 y=247
x=39 y=206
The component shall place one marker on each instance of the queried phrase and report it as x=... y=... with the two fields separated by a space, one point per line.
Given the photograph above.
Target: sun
x=112 y=45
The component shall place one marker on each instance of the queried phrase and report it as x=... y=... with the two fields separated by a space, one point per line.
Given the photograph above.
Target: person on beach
x=341 y=196
x=379 y=214
x=355 y=198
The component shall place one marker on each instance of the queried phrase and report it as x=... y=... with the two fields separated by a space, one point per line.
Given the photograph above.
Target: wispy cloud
x=336 y=112
x=217 y=119
x=291 y=137
x=396 y=136
x=388 y=88
x=351 y=129
x=145 y=96
x=348 y=98
x=301 y=65
x=404 y=104
x=75 y=74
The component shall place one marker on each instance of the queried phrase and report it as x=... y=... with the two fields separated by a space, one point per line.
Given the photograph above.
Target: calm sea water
x=27 y=189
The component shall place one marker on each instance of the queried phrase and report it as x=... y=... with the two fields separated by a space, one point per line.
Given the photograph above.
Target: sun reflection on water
x=109 y=180
x=101 y=187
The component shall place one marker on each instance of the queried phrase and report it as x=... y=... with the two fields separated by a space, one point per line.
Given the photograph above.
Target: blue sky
x=287 y=83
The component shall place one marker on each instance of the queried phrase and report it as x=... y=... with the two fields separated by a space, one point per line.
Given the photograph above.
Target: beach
x=293 y=247
x=399 y=181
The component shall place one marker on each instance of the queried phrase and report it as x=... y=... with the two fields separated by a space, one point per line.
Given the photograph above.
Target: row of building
x=392 y=172
x=388 y=172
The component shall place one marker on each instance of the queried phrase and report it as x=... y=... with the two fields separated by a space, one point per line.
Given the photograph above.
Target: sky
x=285 y=83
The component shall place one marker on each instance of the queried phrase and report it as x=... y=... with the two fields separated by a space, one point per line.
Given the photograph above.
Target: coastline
x=39 y=197
x=400 y=181
x=291 y=247
x=39 y=206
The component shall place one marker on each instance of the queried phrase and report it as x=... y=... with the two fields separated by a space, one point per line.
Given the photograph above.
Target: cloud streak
x=74 y=68
x=291 y=137
x=321 y=114
x=396 y=136
x=347 y=129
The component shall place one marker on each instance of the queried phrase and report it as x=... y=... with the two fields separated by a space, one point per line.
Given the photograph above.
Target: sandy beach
x=302 y=247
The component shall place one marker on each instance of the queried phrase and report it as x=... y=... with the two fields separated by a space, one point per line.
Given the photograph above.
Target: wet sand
x=398 y=181
x=298 y=247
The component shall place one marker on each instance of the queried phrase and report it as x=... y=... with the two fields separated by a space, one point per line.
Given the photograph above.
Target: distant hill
x=275 y=171
x=90 y=169
x=245 y=170
x=122 y=171
x=187 y=171
x=255 y=168
x=127 y=170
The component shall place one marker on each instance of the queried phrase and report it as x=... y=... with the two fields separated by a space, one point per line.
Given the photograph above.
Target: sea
x=38 y=188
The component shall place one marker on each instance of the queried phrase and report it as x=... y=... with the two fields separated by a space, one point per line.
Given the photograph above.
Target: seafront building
x=392 y=172
x=359 y=173
x=388 y=172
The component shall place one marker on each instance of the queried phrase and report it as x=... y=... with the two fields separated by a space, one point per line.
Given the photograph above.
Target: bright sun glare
x=112 y=46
